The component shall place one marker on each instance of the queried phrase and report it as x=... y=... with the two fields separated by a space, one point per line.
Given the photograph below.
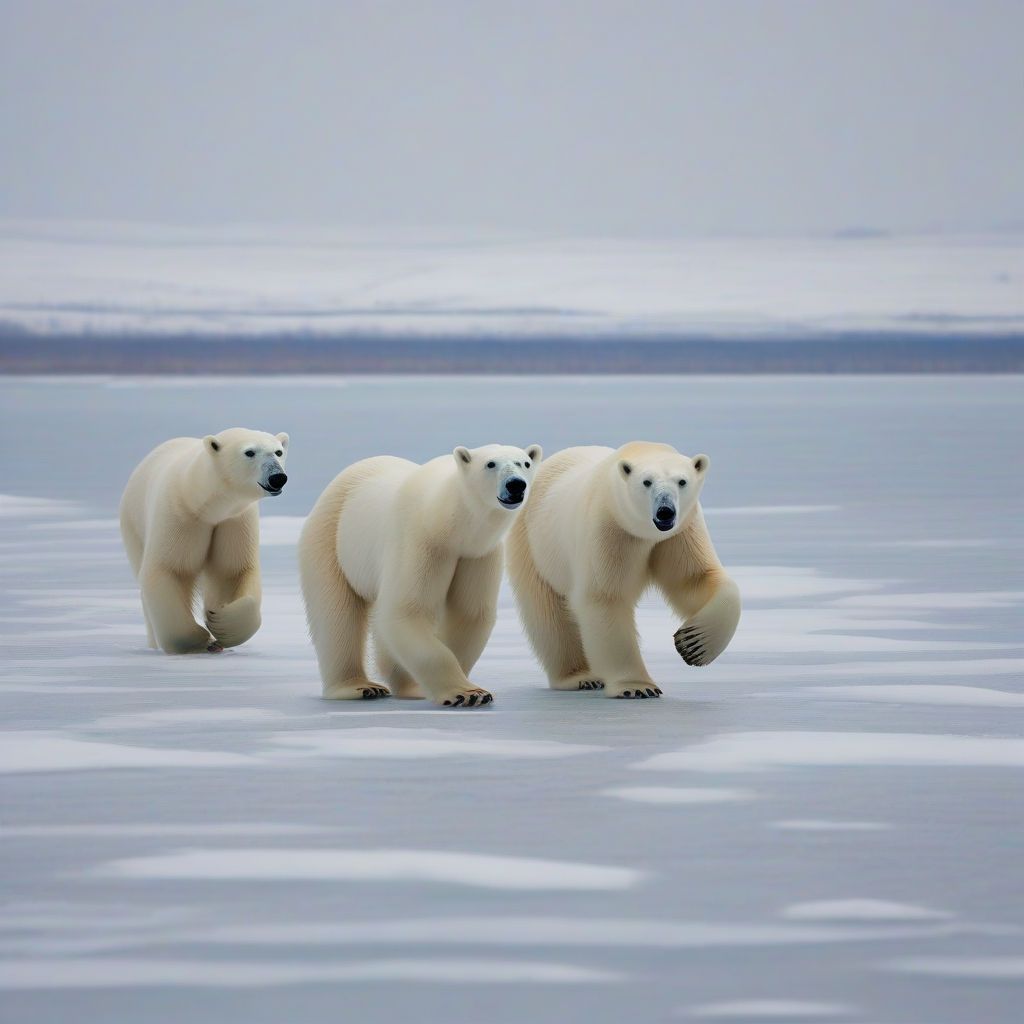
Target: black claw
x=460 y=700
x=447 y=703
x=486 y=699
x=472 y=700
x=650 y=692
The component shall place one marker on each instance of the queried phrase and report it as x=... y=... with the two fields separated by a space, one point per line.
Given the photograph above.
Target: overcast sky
x=763 y=116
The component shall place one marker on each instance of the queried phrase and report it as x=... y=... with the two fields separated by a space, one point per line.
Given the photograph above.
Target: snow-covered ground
x=150 y=280
x=824 y=824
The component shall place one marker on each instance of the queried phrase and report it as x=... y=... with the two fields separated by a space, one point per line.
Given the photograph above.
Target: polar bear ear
x=535 y=453
x=463 y=456
x=701 y=463
x=212 y=444
x=624 y=467
x=283 y=438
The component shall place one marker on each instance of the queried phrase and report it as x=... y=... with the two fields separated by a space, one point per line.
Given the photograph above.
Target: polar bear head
x=249 y=462
x=497 y=476
x=655 y=488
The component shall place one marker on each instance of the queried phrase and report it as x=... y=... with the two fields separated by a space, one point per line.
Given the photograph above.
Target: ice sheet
x=219 y=844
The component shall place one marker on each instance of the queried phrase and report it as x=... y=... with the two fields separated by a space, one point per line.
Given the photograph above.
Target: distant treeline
x=22 y=352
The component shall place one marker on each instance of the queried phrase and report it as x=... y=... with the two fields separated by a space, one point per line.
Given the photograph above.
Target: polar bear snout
x=665 y=515
x=513 y=490
x=275 y=483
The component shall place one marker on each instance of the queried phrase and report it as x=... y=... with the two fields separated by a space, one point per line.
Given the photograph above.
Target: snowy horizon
x=262 y=280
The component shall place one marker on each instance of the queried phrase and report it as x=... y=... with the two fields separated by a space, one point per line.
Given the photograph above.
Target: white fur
x=412 y=554
x=188 y=519
x=587 y=547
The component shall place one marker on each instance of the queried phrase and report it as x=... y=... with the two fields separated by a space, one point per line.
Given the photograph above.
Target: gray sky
x=635 y=117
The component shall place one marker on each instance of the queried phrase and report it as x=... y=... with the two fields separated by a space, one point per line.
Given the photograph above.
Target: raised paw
x=690 y=643
x=469 y=699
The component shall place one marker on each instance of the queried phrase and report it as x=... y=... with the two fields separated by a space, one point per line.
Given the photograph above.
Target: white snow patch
x=747 y=751
x=280 y=531
x=935 y=601
x=156 y=830
x=956 y=667
x=418 y=743
x=547 y=931
x=12 y=505
x=920 y=693
x=669 y=795
x=37 y=751
x=776 y=582
x=484 y=871
x=768 y=1009
x=862 y=910
x=186 y=716
x=982 y=968
x=825 y=825
x=109 y=973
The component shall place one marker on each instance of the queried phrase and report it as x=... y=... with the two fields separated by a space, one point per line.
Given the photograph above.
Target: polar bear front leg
x=409 y=635
x=608 y=629
x=232 y=589
x=707 y=632
x=471 y=608
x=168 y=602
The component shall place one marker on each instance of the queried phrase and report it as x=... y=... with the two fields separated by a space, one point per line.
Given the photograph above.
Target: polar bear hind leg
x=337 y=623
x=336 y=614
x=550 y=626
x=133 y=547
x=167 y=598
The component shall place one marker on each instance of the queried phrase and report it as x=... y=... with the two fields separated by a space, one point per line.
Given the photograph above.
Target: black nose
x=515 y=486
x=277 y=480
x=665 y=514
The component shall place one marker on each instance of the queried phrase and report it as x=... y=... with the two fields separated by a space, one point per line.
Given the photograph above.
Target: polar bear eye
x=279 y=452
x=490 y=465
x=527 y=465
x=647 y=483
x=682 y=483
x=250 y=454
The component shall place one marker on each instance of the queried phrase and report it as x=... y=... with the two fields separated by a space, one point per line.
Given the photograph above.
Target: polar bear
x=601 y=527
x=413 y=554
x=189 y=518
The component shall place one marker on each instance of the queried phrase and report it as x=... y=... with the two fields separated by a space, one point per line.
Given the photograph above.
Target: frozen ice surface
x=202 y=838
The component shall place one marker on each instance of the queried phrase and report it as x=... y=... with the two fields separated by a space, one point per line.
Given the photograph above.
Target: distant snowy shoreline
x=137 y=283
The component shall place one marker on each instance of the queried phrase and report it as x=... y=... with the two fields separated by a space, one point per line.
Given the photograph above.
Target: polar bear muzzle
x=513 y=490
x=275 y=482
x=665 y=513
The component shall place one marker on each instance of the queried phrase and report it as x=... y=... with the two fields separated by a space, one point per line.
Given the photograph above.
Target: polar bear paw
x=582 y=681
x=633 y=690
x=474 y=697
x=692 y=645
x=356 y=688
